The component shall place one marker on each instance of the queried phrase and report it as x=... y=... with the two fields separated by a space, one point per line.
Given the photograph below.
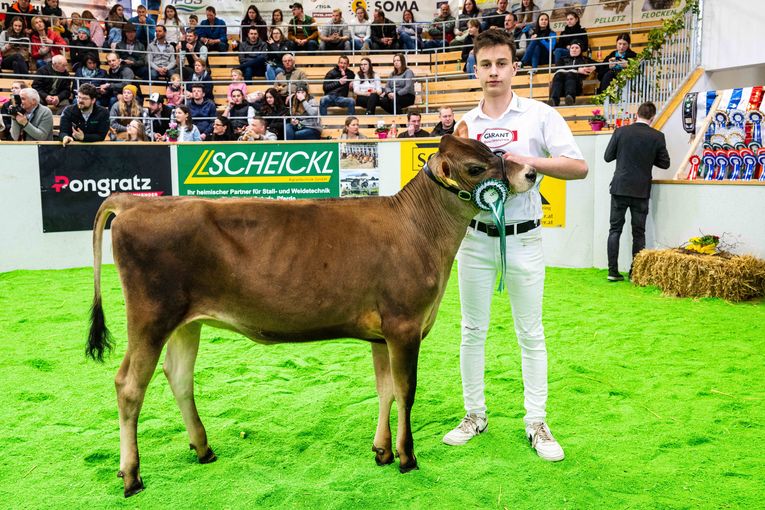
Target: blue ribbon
x=711 y=95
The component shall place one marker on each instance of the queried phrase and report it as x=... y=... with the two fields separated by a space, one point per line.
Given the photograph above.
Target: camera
x=15 y=108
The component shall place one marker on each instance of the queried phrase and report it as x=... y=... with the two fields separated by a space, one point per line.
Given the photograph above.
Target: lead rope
x=490 y=195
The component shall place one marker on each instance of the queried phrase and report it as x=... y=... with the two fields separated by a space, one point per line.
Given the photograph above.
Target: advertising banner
x=263 y=170
x=75 y=180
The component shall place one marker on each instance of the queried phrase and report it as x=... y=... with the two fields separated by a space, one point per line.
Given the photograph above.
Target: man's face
x=197 y=94
x=509 y=23
x=130 y=36
x=446 y=116
x=84 y=101
x=414 y=121
x=59 y=65
x=342 y=64
x=252 y=35
x=191 y=38
x=297 y=12
x=155 y=106
x=445 y=10
x=113 y=62
x=24 y=4
x=259 y=127
x=337 y=17
x=161 y=33
x=289 y=62
x=141 y=13
x=210 y=16
x=495 y=70
x=27 y=103
x=379 y=16
x=502 y=5
x=15 y=88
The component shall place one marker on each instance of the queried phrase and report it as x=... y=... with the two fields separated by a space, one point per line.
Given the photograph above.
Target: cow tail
x=99 y=338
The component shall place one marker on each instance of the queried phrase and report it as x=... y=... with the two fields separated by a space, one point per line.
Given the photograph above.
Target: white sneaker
x=470 y=426
x=543 y=442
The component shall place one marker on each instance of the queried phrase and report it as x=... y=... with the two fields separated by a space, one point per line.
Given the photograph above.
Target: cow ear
x=461 y=130
x=441 y=169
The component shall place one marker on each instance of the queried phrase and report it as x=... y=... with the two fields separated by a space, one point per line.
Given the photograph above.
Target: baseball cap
x=155 y=97
x=296 y=4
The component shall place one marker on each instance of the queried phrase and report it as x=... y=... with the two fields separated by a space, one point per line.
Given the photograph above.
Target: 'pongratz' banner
x=75 y=180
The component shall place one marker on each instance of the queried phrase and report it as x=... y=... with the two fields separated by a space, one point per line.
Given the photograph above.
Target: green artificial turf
x=657 y=401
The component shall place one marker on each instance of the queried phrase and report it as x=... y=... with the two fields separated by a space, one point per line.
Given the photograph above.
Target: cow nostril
x=531 y=176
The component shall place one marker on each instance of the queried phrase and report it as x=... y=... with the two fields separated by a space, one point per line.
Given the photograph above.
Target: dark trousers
x=565 y=84
x=402 y=101
x=368 y=102
x=639 y=212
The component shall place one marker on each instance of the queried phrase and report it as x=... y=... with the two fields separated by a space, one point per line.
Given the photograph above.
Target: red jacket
x=56 y=48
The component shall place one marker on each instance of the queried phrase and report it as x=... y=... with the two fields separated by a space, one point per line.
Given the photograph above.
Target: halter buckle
x=464 y=195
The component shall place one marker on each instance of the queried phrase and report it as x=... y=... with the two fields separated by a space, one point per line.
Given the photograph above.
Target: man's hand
x=67 y=140
x=78 y=134
x=21 y=119
x=517 y=158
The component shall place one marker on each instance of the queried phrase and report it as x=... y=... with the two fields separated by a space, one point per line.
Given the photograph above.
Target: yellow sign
x=553 y=202
x=413 y=156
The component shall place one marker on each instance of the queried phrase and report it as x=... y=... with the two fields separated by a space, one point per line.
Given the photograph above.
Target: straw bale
x=679 y=272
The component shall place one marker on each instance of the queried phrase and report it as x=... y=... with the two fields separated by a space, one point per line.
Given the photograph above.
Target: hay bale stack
x=681 y=273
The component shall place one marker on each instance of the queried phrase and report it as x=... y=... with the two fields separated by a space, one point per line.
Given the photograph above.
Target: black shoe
x=615 y=277
x=570 y=100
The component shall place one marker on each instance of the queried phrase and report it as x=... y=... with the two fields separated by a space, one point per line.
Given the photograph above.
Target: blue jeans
x=330 y=100
x=408 y=41
x=470 y=66
x=272 y=71
x=290 y=133
x=253 y=66
x=559 y=53
x=357 y=45
x=429 y=44
x=536 y=53
x=311 y=45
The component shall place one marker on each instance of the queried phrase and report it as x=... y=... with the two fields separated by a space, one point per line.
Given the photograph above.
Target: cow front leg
x=403 y=360
x=131 y=382
x=382 y=443
x=179 y=369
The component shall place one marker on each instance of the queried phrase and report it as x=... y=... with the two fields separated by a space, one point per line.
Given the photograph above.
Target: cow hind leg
x=382 y=443
x=404 y=350
x=179 y=369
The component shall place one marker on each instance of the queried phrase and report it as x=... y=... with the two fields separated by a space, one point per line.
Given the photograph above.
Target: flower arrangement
x=706 y=244
x=597 y=116
x=172 y=132
x=381 y=130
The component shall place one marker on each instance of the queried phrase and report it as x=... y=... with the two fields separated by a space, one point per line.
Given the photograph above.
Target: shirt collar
x=517 y=104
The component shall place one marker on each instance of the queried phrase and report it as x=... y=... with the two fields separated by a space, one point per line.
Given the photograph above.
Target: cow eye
x=475 y=170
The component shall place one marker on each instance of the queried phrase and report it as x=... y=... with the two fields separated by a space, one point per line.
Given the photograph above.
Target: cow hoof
x=208 y=457
x=410 y=466
x=382 y=457
x=136 y=487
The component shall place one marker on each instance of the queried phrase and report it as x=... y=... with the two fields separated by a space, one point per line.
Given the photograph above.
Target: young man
x=335 y=35
x=212 y=31
x=637 y=148
x=445 y=124
x=526 y=131
x=302 y=30
x=84 y=121
x=413 y=126
x=337 y=83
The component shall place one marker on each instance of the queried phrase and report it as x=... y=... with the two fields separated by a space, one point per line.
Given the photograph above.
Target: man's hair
x=492 y=38
x=344 y=57
x=211 y=9
x=58 y=59
x=112 y=53
x=30 y=93
x=442 y=108
x=89 y=90
x=260 y=120
x=197 y=86
x=20 y=82
x=413 y=113
x=515 y=17
x=474 y=22
x=647 y=110
x=194 y=17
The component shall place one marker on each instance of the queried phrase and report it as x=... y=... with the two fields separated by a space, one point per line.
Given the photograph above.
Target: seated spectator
x=273 y=108
x=53 y=84
x=413 y=128
x=512 y=29
x=132 y=52
x=468 y=55
x=115 y=22
x=615 y=61
x=351 y=130
x=542 y=39
x=222 y=130
x=337 y=84
x=188 y=131
x=15 y=46
x=201 y=75
x=445 y=124
x=82 y=48
x=469 y=11
x=13 y=100
x=278 y=21
x=239 y=111
x=383 y=32
x=278 y=46
x=441 y=30
x=409 y=31
x=157 y=117
x=85 y=121
x=173 y=26
x=202 y=110
x=174 y=91
x=257 y=130
x=237 y=83
x=124 y=110
x=193 y=23
x=573 y=31
x=252 y=55
x=304 y=123
x=46 y=42
x=90 y=73
x=146 y=27
x=193 y=50
x=285 y=81
x=527 y=14
x=568 y=79
x=136 y=132
x=361 y=31
x=95 y=28
x=335 y=35
x=34 y=122
x=23 y=10
x=495 y=18
x=399 y=90
x=74 y=24
x=212 y=31
x=367 y=86
x=302 y=30
x=53 y=17
x=161 y=57
x=252 y=18
x=120 y=75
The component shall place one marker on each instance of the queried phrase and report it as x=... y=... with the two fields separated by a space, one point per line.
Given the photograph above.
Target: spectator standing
x=157 y=117
x=252 y=54
x=239 y=112
x=257 y=130
x=409 y=31
x=351 y=130
x=286 y=80
x=162 y=59
x=212 y=31
x=637 y=148
x=367 y=86
x=119 y=76
x=572 y=32
x=304 y=123
x=46 y=42
x=124 y=110
x=146 y=27
x=252 y=18
x=413 y=126
x=85 y=121
x=495 y=18
x=83 y=47
x=132 y=52
x=335 y=35
x=302 y=30
x=567 y=80
x=445 y=124
x=337 y=84
x=173 y=26
x=15 y=46
x=361 y=30
x=188 y=130
x=542 y=40
x=272 y=110
x=53 y=84
x=34 y=122
x=278 y=46
x=615 y=61
x=23 y=10
x=383 y=32
x=202 y=110
x=399 y=90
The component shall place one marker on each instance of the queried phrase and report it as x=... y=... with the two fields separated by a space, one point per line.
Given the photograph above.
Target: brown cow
x=287 y=271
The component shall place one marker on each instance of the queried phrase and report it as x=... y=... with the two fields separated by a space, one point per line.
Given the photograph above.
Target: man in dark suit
x=637 y=148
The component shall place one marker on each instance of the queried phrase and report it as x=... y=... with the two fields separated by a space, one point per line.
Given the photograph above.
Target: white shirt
x=529 y=128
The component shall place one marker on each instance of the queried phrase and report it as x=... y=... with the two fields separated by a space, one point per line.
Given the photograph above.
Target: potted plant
x=172 y=132
x=597 y=121
x=381 y=130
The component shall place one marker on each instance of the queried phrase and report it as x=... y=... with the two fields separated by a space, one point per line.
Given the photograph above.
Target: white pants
x=478 y=267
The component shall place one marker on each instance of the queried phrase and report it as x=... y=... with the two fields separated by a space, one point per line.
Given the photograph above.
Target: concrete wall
x=732 y=34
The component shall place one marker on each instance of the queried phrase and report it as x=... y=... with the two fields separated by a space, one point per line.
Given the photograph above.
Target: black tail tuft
x=99 y=338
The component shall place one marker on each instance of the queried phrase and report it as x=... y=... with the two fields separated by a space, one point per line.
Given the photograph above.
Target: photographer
x=5 y=117
x=31 y=120
x=85 y=121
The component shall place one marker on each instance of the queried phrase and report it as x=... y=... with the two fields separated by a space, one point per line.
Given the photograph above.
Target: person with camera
x=5 y=117
x=85 y=121
x=31 y=120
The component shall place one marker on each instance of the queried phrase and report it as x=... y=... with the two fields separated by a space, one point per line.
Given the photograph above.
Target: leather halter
x=462 y=194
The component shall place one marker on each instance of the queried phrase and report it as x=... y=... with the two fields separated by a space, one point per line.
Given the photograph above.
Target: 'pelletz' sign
x=75 y=180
